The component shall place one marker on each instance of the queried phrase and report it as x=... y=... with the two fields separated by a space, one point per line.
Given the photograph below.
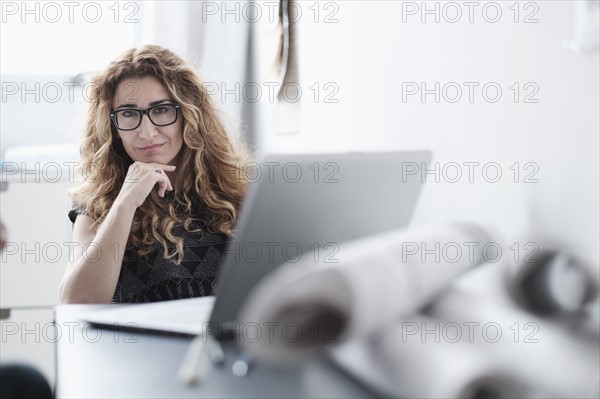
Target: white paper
x=302 y=307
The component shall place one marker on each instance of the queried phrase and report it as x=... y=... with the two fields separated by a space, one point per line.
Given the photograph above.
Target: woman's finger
x=163 y=182
x=164 y=167
x=161 y=168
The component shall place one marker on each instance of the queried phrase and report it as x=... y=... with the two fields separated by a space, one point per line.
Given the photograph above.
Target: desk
x=99 y=363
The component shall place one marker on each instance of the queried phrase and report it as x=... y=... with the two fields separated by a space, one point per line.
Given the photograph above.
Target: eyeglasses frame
x=113 y=115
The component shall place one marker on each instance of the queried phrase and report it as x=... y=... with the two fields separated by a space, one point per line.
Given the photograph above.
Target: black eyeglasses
x=131 y=118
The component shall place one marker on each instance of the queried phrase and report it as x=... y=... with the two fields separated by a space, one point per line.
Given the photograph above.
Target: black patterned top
x=152 y=278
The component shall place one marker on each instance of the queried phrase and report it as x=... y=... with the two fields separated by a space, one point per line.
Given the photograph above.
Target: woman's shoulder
x=76 y=210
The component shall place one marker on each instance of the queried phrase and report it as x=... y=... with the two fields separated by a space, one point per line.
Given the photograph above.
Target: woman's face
x=148 y=142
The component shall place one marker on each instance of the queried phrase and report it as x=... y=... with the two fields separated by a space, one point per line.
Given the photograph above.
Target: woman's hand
x=141 y=179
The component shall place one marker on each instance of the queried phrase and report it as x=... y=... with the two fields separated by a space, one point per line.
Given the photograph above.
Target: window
x=66 y=38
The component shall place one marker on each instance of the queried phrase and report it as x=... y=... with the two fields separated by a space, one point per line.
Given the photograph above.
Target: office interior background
x=505 y=94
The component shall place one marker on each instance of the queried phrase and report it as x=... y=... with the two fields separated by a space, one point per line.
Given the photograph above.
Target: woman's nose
x=147 y=128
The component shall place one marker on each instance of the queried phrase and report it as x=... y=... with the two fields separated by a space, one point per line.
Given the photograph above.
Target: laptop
x=297 y=205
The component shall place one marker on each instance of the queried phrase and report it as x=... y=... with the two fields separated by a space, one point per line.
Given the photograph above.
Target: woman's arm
x=92 y=273
x=93 y=270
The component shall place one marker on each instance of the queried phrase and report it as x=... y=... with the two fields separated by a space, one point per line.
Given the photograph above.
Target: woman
x=161 y=186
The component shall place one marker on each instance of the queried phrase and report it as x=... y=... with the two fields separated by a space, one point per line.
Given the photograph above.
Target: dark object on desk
x=552 y=283
x=18 y=382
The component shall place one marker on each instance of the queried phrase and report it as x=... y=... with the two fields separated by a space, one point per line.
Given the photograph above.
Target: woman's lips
x=151 y=149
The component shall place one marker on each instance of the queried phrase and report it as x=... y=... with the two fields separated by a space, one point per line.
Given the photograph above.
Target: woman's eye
x=159 y=110
x=128 y=114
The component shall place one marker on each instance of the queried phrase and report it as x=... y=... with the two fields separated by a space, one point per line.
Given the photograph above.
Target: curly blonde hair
x=210 y=173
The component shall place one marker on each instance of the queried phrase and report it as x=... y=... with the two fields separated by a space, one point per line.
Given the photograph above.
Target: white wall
x=40 y=110
x=370 y=53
